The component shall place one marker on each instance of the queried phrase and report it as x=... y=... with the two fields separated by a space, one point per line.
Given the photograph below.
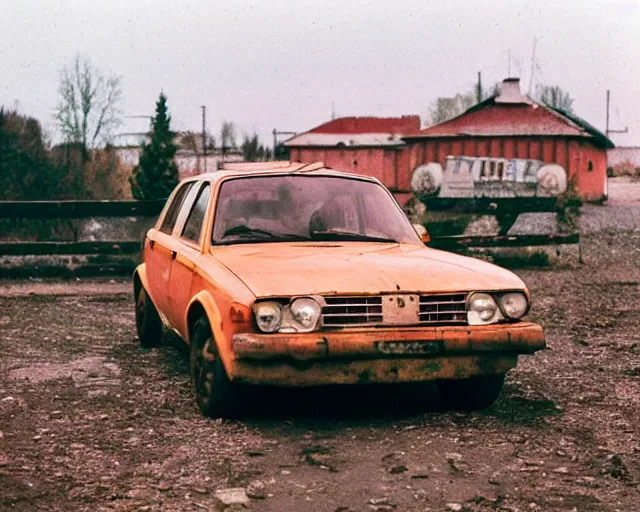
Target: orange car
x=299 y=275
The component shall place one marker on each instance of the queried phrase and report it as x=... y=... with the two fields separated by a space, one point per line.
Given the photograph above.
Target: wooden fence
x=121 y=256
x=87 y=257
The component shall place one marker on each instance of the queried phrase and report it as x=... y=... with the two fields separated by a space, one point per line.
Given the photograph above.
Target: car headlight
x=482 y=309
x=268 y=315
x=302 y=315
x=514 y=305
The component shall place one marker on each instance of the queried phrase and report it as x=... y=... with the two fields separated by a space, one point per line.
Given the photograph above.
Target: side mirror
x=422 y=233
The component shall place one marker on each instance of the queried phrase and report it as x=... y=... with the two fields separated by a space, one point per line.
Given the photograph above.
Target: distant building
x=365 y=145
x=624 y=160
x=190 y=157
x=507 y=125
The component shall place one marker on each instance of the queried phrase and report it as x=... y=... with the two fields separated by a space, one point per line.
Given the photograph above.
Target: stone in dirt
x=379 y=501
x=382 y=504
x=164 y=485
x=257 y=490
x=400 y=468
x=232 y=496
x=453 y=507
x=421 y=495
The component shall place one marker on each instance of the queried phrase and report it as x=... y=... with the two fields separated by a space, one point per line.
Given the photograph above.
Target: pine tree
x=156 y=175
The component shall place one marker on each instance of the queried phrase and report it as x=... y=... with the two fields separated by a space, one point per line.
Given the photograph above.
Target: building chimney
x=510 y=92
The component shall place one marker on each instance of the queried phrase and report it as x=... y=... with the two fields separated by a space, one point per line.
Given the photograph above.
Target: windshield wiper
x=243 y=229
x=330 y=235
x=248 y=234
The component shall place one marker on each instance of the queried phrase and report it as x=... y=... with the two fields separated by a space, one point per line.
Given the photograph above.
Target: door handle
x=152 y=243
x=174 y=254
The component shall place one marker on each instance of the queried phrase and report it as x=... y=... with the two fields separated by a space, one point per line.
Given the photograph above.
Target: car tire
x=471 y=394
x=148 y=323
x=215 y=394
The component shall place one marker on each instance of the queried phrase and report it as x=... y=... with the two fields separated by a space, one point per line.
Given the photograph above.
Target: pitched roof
x=511 y=113
x=358 y=131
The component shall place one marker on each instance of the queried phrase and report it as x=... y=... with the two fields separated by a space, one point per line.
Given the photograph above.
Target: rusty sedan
x=299 y=275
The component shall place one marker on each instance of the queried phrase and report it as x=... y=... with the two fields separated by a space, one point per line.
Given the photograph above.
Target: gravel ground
x=89 y=421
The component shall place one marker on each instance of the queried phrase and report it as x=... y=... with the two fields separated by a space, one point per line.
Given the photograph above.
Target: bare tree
x=445 y=108
x=555 y=97
x=227 y=135
x=87 y=109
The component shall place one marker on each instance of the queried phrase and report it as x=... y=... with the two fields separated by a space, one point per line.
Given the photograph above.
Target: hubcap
x=204 y=369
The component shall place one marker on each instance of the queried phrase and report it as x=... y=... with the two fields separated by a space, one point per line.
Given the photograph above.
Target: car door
x=188 y=249
x=158 y=250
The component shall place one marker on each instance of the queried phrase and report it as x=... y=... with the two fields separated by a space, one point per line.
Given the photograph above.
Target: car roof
x=238 y=169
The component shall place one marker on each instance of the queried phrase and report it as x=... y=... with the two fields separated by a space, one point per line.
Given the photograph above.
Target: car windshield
x=307 y=208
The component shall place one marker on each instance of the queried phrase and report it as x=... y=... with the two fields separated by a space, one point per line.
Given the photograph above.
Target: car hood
x=303 y=268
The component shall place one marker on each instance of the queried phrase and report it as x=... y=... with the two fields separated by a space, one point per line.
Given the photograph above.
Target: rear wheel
x=216 y=395
x=148 y=323
x=471 y=394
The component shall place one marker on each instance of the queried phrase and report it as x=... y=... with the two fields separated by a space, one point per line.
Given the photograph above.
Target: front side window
x=174 y=208
x=307 y=208
x=193 y=225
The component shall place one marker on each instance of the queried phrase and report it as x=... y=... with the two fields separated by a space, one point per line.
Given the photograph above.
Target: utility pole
x=533 y=67
x=607 y=130
x=204 y=136
x=479 y=88
x=275 y=139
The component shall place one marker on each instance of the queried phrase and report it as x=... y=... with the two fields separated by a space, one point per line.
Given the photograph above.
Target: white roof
x=346 y=139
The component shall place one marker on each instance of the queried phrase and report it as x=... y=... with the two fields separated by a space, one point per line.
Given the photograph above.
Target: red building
x=364 y=145
x=508 y=125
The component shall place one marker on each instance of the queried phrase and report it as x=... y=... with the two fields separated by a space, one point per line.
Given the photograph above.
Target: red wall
x=380 y=163
x=394 y=166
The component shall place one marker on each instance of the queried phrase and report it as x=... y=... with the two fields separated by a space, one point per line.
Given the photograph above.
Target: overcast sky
x=281 y=64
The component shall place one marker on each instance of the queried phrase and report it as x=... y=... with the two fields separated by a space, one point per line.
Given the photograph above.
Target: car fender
x=141 y=272
x=214 y=317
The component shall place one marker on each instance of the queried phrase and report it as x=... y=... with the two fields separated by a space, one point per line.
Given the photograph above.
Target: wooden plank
x=491 y=205
x=93 y=265
x=461 y=241
x=80 y=209
x=89 y=247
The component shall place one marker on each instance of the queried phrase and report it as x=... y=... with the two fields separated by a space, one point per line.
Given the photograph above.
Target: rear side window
x=193 y=226
x=174 y=208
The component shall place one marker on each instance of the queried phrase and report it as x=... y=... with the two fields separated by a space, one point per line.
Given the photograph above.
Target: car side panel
x=180 y=290
x=157 y=257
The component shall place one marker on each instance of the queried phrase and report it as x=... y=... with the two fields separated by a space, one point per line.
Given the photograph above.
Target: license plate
x=401 y=309
x=401 y=348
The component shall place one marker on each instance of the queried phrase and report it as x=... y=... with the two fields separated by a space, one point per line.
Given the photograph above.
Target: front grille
x=443 y=309
x=356 y=311
x=352 y=311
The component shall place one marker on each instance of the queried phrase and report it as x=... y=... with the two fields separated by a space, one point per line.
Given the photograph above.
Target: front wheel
x=216 y=395
x=471 y=394
x=148 y=323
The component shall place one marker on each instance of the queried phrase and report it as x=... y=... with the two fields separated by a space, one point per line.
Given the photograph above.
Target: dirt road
x=89 y=421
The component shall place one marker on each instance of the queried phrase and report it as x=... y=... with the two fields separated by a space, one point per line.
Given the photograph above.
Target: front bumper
x=382 y=355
